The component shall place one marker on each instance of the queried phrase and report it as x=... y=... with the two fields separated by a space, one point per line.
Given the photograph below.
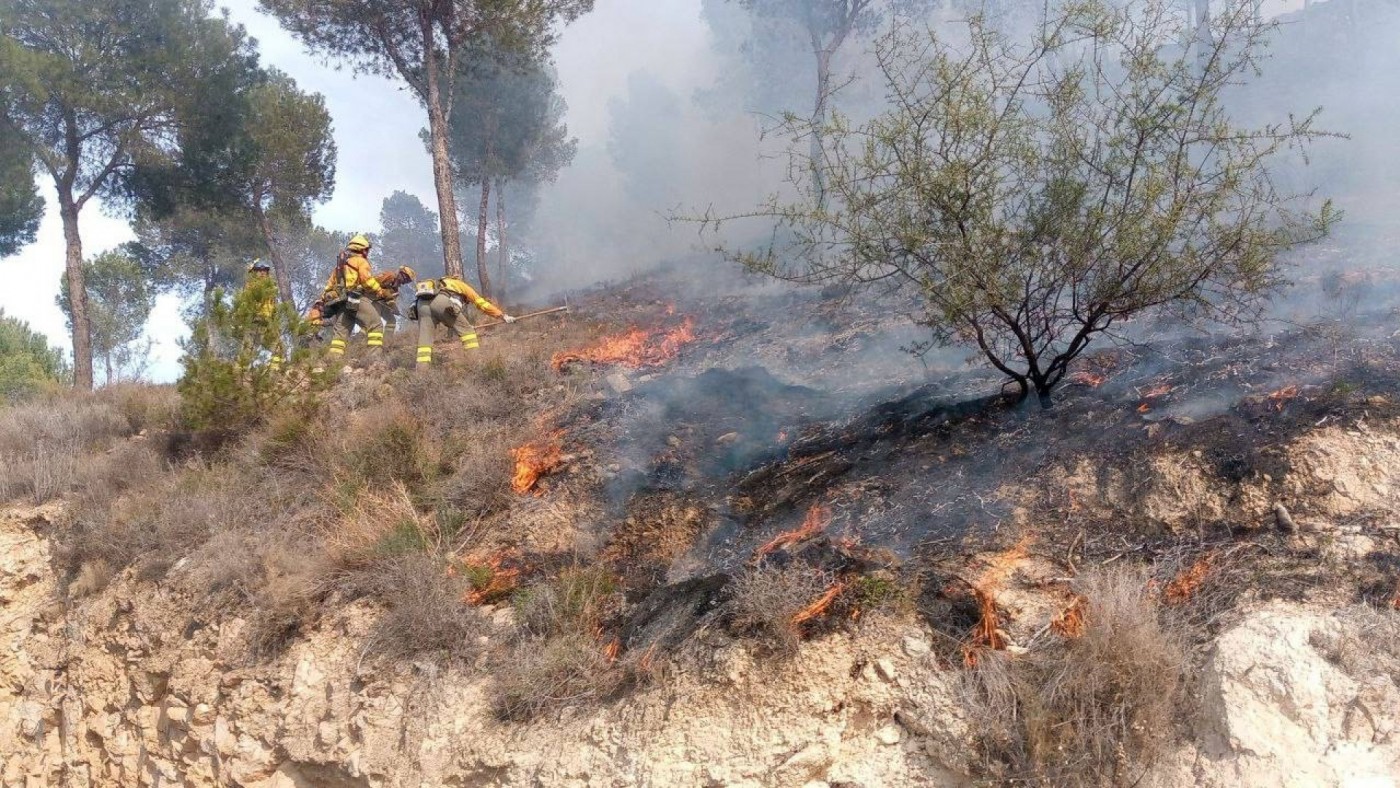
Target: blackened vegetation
x=918 y=480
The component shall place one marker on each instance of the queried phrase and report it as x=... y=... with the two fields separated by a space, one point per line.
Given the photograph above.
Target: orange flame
x=1185 y=584
x=814 y=523
x=1000 y=566
x=1090 y=379
x=534 y=460
x=500 y=579
x=820 y=604
x=612 y=649
x=1283 y=395
x=1159 y=390
x=987 y=634
x=635 y=348
x=1069 y=623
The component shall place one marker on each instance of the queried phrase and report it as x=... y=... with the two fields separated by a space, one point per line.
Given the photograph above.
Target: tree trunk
x=107 y=366
x=442 y=165
x=481 y=262
x=77 y=294
x=503 y=268
x=1205 y=42
x=279 y=264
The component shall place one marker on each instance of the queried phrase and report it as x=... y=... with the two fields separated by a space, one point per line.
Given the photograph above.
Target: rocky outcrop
x=120 y=691
x=1281 y=705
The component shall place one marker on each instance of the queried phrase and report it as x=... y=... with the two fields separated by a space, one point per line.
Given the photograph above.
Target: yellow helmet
x=408 y=272
x=358 y=244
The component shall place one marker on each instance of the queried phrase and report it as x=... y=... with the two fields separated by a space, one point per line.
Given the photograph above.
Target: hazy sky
x=376 y=129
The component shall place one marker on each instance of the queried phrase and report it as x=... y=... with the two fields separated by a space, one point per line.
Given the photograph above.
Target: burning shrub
x=1087 y=710
x=770 y=603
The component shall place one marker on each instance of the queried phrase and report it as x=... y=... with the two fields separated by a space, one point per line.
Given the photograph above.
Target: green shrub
x=231 y=383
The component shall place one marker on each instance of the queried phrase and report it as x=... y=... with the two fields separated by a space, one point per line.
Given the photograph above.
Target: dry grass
x=1091 y=710
x=557 y=657
x=1366 y=643
x=767 y=600
x=427 y=612
x=369 y=495
x=44 y=442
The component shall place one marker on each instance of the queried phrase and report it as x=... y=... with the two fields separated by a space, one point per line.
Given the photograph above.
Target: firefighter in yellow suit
x=444 y=302
x=351 y=291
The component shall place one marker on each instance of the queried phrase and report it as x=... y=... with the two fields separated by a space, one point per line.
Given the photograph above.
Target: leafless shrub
x=1366 y=642
x=553 y=672
x=44 y=443
x=767 y=599
x=427 y=612
x=1091 y=710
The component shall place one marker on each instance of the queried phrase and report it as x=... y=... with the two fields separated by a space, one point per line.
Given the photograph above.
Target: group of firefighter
x=355 y=296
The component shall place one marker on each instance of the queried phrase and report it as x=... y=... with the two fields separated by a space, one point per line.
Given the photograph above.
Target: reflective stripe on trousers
x=469 y=341
x=425 y=354
x=337 y=347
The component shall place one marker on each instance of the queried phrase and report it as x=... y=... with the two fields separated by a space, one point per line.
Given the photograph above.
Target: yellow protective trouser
x=368 y=319
x=444 y=310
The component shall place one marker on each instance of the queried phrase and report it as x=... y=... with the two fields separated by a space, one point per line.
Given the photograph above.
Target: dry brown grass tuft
x=380 y=525
x=427 y=612
x=558 y=656
x=1091 y=710
x=768 y=601
x=44 y=442
x=1366 y=642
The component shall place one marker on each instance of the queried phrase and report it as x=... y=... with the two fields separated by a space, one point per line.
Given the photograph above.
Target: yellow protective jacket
x=452 y=284
x=388 y=282
x=351 y=274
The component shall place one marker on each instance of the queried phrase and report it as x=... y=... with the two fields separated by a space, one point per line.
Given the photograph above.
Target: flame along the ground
x=492 y=577
x=988 y=633
x=634 y=348
x=533 y=460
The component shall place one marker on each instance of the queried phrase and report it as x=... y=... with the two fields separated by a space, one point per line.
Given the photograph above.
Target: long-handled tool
x=532 y=314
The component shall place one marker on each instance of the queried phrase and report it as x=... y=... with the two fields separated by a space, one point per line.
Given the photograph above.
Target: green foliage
x=1036 y=193
x=94 y=88
x=406 y=538
x=120 y=300
x=28 y=366
x=20 y=205
x=230 y=382
x=409 y=235
x=507 y=117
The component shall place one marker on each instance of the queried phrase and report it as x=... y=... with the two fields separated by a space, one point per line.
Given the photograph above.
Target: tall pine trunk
x=503 y=266
x=442 y=165
x=481 y=261
x=279 y=264
x=77 y=293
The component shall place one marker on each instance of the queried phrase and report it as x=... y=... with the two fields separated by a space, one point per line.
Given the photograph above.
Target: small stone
x=885 y=668
x=674 y=442
x=618 y=383
x=889 y=735
x=727 y=438
x=916 y=646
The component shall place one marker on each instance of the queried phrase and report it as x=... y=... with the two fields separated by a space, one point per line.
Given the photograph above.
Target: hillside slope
x=764 y=547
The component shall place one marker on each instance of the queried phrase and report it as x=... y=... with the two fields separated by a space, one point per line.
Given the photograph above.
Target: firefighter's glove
x=508 y=318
